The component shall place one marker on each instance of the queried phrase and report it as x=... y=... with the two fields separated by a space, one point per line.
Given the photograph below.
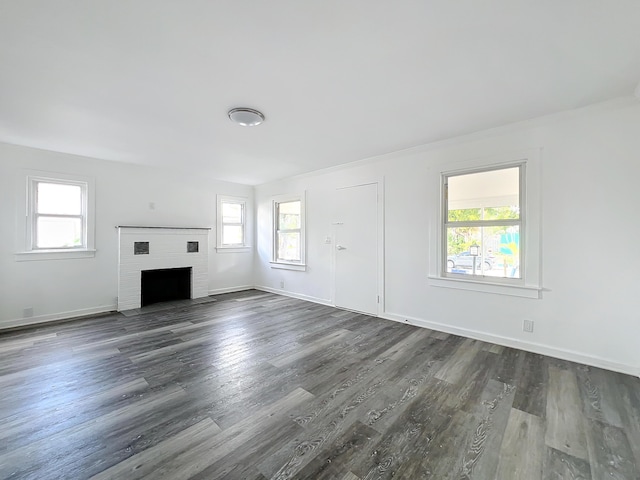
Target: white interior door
x=356 y=248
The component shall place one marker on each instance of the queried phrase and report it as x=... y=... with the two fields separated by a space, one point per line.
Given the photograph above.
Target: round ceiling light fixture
x=247 y=117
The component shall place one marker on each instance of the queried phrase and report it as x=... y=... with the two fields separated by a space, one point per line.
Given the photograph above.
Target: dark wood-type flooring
x=257 y=386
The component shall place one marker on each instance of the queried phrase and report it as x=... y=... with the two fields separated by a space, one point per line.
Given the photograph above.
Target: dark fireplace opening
x=166 y=284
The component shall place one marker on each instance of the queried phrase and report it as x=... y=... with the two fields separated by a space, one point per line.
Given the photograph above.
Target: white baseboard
x=83 y=312
x=240 y=288
x=533 y=347
x=299 y=296
x=42 y=319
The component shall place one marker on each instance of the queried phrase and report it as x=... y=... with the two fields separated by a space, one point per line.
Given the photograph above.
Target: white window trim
x=220 y=247
x=275 y=263
x=529 y=286
x=26 y=218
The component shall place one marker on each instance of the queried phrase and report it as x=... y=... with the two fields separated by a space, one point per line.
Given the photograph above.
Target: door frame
x=379 y=182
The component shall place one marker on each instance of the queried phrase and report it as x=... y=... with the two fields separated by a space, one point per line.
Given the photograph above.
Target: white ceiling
x=150 y=81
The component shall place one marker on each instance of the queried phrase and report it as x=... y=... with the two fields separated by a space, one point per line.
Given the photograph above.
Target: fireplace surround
x=161 y=248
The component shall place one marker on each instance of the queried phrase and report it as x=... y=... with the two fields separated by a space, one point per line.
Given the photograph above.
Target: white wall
x=590 y=306
x=64 y=288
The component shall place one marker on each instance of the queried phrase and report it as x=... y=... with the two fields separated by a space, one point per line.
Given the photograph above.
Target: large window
x=232 y=222
x=57 y=214
x=484 y=223
x=288 y=231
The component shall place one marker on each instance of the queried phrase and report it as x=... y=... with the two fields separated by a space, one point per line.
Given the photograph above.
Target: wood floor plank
x=565 y=428
x=610 y=455
x=255 y=385
x=560 y=466
x=350 y=476
x=145 y=462
x=310 y=349
x=124 y=339
x=630 y=405
x=340 y=456
x=523 y=451
x=453 y=370
x=531 y=386
x=490 y=422
x=600 y=396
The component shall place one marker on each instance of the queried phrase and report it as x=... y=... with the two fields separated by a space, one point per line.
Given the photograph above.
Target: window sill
x=289 y=266
x=524 y=291
x=54 y=254
x=233 y=249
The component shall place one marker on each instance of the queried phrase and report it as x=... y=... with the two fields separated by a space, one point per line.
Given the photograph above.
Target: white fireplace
x=155 y=248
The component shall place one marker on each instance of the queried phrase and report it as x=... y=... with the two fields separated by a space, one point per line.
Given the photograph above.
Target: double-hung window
x=57 y=214
x=232 y=215
x=483 y=223
x=59 y=217
x=288 y=242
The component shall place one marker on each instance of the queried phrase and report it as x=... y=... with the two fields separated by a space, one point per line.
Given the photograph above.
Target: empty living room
x=319 y=240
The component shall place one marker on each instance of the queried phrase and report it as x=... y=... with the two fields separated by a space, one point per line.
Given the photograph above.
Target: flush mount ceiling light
x=247 y=117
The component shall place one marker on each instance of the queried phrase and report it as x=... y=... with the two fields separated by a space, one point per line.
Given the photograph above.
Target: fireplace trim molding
x=167 y=249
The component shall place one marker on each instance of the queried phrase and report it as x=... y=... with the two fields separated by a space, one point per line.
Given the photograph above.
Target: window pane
x=492 y=195
x=59 y=232
x=498 y=251
x=231 y=212
x=465 y=214
x=56 y=198
x=289 y=215
x=232 y=235
x=289 y=246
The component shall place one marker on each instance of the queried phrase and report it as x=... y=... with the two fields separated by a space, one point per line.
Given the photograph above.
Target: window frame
x=520 y=222
x=231 y=248
x=27 y=237
x=283 y=263
x=530 y=283
x=34 y=215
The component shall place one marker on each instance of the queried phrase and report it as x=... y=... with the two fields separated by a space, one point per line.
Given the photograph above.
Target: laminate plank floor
x=253 y=385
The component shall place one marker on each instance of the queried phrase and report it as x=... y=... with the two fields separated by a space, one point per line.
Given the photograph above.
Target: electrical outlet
x=27 y=312
x=527 y=326
x=282 y=284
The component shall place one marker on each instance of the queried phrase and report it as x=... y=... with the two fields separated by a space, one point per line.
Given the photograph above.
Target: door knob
x=340 y=247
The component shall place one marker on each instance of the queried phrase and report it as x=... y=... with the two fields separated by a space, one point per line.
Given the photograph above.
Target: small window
x=58 y=214
x=232 y=213
x=288 y=242
x=483 y=223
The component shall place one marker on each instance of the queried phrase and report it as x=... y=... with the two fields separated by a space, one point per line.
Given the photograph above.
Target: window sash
x=519 y=222
x=33 y=213
x=240 y=224
x=283 y=231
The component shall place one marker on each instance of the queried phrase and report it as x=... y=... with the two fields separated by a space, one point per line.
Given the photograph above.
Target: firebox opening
x=166 y=284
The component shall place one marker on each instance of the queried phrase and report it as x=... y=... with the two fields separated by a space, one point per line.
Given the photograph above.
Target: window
x=232 y=215
x=59 y=217
x=483 y=223
x=58 y=214
x=288 y=242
